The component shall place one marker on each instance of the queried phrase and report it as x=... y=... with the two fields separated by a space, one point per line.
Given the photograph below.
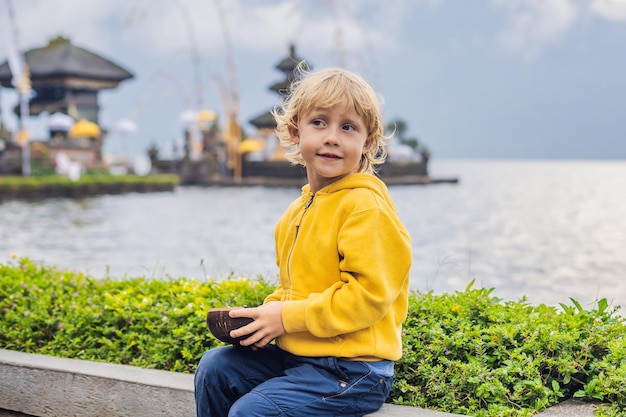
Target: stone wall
x=45 y=386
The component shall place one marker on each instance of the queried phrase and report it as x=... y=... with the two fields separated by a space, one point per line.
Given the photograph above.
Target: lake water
x=547 y=230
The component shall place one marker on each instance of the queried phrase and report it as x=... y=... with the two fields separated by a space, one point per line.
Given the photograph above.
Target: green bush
x=467 y=353
x=470 y=353
x=95 y=177
x=91 y=184
x=142 y=322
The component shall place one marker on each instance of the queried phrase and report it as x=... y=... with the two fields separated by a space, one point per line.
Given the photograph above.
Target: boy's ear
x=367 y=146
x=295 y=135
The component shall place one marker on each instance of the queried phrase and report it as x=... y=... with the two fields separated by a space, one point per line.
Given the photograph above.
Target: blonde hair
x=324 y=89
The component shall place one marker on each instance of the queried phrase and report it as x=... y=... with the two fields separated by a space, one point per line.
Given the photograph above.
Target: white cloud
x=536 y=24
x=331 y=27
x=610 y=9
x=168 y=28
x=154 y=38
x=40 y=20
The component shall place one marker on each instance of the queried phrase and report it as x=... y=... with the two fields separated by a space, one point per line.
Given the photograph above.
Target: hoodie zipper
x=293 y=245
x=306 y=206
x=308 y=203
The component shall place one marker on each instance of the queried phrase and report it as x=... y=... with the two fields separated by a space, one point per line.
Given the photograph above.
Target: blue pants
x=240 y=382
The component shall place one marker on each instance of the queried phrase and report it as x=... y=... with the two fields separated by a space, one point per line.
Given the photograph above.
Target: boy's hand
x=267 y=324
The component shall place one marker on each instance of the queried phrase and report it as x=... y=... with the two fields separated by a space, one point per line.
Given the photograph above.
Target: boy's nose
x=331 y=137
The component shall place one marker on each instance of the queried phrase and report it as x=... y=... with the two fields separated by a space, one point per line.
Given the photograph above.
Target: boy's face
x=331 y=142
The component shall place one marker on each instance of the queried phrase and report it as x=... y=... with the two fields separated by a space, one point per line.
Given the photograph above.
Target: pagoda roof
x=289 y=63
x=288 y=66
x=281 y=87
x=64 y=63
x=264 y=121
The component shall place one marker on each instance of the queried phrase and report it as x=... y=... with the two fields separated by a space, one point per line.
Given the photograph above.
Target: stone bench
x=47 y=386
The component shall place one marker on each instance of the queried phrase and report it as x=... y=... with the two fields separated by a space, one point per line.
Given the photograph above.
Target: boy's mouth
x=330 y=155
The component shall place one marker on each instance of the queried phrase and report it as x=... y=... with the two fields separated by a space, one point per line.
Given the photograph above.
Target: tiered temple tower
x=287 y=66
x=67 y=79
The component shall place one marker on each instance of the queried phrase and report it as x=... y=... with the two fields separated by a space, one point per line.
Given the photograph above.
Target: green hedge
x=91 y=184
x=468 y=353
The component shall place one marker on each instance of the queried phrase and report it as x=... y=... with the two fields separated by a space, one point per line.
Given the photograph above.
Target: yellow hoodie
x=344 y=258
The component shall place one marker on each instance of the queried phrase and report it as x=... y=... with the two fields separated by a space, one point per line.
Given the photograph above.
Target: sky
x=507 y=79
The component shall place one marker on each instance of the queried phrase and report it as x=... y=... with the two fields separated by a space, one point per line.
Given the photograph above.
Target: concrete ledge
x=47 y=386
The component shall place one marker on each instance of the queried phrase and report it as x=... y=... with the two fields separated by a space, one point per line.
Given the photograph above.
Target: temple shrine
x=260 y=156
x=66 y=80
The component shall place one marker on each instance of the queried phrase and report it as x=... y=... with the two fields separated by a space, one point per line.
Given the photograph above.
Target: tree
x=399 y=127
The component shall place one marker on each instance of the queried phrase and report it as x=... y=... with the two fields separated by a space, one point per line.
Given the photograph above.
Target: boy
x=344 y=259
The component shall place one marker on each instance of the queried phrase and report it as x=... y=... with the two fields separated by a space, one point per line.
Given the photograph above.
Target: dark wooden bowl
x=220 y=324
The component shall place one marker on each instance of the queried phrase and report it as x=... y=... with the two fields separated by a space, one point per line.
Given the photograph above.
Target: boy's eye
x=316 y=122
x=348 y=127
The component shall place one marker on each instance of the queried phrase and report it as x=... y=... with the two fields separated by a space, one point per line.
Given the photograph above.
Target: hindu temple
x=65 y=80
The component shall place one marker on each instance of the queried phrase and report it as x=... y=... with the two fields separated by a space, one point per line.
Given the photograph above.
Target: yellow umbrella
x=84 y=128
x=22 y=137
x=206 y=116
x=251 y=145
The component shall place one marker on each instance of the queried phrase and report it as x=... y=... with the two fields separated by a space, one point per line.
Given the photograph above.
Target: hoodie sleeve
x=277 y=295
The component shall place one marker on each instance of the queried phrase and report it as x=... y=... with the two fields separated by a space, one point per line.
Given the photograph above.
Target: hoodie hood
x=358 y=180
